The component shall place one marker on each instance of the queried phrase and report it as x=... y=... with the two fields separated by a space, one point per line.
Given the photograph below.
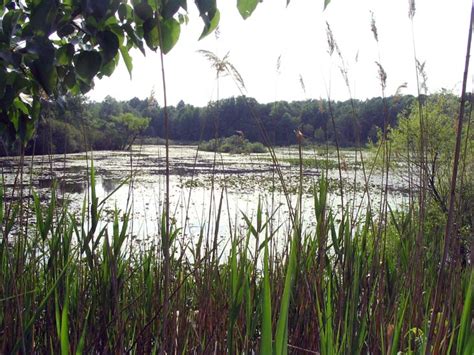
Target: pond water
x=200 y=182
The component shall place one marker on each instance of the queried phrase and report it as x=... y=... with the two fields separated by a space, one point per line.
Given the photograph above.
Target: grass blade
x=266 y=344
x=281 y=336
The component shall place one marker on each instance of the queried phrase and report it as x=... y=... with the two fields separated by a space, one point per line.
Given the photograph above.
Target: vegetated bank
x=77 y=125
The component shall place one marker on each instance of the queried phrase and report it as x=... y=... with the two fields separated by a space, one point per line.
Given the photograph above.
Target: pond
x=204 y=187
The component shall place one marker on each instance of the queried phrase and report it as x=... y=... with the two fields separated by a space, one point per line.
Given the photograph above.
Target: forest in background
x=74 y=124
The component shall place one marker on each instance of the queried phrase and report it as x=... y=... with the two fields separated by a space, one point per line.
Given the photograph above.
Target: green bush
x=234 y=144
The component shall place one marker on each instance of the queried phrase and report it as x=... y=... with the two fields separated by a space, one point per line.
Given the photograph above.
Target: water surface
x=200 y=182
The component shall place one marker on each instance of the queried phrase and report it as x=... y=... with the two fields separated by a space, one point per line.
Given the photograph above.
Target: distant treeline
x=73 y=124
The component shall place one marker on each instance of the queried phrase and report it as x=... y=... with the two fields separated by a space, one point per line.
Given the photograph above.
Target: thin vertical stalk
x=336 y=141
x=452 y=194
x=299 y=138
x=165 y=245
x=466 y=141
x=23 y=243
x=213 y=175
x=417 y=254
x=333 y=46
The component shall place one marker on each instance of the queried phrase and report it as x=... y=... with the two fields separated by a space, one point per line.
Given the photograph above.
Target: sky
x=297 y=35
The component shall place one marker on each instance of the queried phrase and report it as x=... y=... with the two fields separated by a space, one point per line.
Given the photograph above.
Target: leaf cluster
x=52 y=47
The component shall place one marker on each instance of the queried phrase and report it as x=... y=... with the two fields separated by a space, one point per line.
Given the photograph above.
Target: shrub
x=234 y=144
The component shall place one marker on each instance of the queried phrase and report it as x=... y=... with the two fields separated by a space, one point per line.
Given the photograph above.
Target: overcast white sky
x=297 y=33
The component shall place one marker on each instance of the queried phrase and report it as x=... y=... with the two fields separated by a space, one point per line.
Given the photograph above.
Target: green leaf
x=112 y=9
x=151 y=34
x=132 y=36
x=125 y=12
x=65 y=54
x=326 y=3
x=143 y=11
x=42 y=67
x=465 y=333
x=18 y=82
x=109 y=44
x=66 y=30
x=109 y=68
x=211 y=25
x=246 y=7
x=206 y=7
x=43 y=17
x=398 y=328
x=26 y=128
x=9 y=22
x=84 y=87
x=170 y=30
x=155 y=4
x=281 y=336
x=127 y=59
x=170 y=7
x=250 y=225
x=87 y=64
x=40 y=307
x=65 y=322
x=82 y=340
x=20 y=105
x=97 y=8
x=46 y=75
x=266 y=343
x=70 y=79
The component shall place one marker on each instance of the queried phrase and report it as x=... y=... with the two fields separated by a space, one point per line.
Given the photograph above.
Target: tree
x=129 y=127
x=439 y=113
x=110 y=107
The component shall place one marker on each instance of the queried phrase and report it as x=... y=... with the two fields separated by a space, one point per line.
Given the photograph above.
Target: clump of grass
x=235 y=144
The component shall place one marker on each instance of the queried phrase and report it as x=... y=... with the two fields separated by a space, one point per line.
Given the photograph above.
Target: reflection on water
x=197 y=186
x=76 y=186
x=63 y=186
x=109 y=185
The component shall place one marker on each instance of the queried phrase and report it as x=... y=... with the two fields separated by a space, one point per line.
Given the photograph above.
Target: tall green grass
x=72 y=285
